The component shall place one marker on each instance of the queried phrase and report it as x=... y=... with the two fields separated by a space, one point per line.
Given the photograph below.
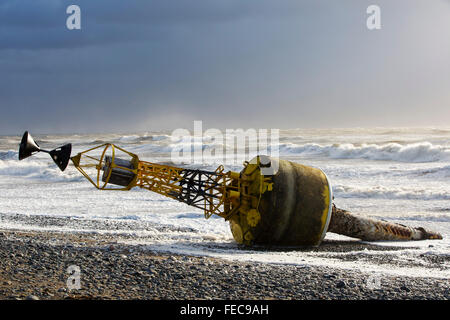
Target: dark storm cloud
x=36 y=24
x=261 y=63
x=131 y=58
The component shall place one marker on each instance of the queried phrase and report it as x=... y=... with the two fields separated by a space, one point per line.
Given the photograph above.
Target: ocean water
x=397 y=174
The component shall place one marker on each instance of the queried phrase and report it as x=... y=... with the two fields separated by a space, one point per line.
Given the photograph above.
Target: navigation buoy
x=270 y=202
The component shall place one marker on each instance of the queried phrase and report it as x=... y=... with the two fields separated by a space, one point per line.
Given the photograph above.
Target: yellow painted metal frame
x=252 y=184
x=98 y=166
x=165 y=180
x=228 y=192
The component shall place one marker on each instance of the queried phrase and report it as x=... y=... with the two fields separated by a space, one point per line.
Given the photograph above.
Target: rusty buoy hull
x=296 y=211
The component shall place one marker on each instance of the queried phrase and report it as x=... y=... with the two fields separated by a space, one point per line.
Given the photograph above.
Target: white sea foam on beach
x=396 y=174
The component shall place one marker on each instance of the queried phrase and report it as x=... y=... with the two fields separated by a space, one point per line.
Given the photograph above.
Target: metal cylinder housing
x=118 y=175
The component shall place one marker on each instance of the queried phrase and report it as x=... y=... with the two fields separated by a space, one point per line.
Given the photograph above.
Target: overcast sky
x=151 y=65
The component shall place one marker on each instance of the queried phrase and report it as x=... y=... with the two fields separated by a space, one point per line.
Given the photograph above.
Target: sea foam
x=415 y=152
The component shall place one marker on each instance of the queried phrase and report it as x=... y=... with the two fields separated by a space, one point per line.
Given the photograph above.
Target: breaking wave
x=416 y=152
x=141 y=139
x=382 y=192
x=8 y=155
x=37 y=169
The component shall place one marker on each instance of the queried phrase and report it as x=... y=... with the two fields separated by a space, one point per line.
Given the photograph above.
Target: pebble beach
x=35 y=266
